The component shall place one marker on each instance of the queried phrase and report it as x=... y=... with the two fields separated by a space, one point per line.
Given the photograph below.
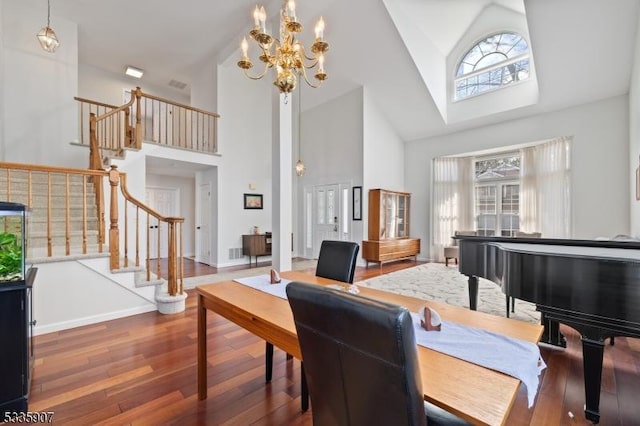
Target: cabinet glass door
x=401 y=216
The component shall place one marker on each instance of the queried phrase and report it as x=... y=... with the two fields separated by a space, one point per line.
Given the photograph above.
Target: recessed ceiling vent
x=177 y=84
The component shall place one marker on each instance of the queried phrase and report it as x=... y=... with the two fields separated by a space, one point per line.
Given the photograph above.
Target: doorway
x=164 y=201
x=326 y=216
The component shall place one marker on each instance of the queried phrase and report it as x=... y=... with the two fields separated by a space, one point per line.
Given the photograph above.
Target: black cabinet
x=16 y=350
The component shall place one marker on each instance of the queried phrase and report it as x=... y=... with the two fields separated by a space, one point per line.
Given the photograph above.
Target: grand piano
x=592 y=286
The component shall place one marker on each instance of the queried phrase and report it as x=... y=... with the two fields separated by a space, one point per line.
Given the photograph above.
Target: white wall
x=244 y=136
x=186 y=204
x=69 y=294
x=107 y=87
x=2 y=83
x=332 y=148
x=634 y=141
x=39 y=113
x=383 y=156
x=600 y=183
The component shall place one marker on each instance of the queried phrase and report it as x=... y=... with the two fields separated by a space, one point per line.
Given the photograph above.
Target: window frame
x=490 y=68
x=498 y=183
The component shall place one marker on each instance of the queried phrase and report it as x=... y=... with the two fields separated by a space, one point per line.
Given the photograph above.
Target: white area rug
x=435 y=281
x=242 y=273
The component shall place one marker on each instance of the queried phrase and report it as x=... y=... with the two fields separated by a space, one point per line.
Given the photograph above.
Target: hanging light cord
x=48 y=13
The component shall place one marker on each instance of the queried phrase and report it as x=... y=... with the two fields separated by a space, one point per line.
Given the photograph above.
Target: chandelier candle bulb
x=320 y=29
x=256 y=18
x=263 y=19
x=291 y=8
x=245 y=48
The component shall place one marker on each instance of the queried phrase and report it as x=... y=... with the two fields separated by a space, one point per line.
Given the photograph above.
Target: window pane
x=491 y=53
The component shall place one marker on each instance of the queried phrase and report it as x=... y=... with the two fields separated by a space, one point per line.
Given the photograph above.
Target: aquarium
x=13 y=239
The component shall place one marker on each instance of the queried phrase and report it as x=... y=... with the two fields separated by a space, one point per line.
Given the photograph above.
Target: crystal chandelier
x=288 y=55
x=47 y=37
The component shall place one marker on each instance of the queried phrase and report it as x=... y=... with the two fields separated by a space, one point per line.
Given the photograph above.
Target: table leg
x=202 y=349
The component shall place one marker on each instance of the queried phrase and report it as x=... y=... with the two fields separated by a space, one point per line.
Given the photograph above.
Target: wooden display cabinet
x=389 y=229
x=256 y=245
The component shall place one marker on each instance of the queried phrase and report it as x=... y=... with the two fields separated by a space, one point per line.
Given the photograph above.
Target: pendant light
x=299 y=165
x=47 y=37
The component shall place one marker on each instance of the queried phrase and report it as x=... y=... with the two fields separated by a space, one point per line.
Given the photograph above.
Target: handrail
x=157 y=98
x=89 y=101
x=116 y=110
x=41 y=184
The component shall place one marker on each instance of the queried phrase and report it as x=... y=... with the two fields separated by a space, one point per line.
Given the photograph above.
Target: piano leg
x=473 y=292
x=592 y=351
x=551 y=334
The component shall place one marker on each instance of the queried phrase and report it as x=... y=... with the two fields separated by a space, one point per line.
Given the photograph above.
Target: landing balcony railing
x=109 y=130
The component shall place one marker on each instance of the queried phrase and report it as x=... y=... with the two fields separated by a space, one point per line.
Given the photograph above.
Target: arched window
x=494 y=62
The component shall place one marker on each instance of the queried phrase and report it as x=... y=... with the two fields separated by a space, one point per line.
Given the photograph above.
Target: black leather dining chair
x=360 y=360
x=337 y=260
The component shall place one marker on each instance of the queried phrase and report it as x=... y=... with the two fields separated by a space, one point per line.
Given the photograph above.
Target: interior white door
x=203 y=217
x=165 y=202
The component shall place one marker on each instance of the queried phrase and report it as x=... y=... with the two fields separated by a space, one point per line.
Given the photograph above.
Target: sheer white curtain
x=452 y=201
x=545 y=189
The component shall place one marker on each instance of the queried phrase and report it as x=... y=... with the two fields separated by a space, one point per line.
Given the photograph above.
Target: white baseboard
x=64 y=325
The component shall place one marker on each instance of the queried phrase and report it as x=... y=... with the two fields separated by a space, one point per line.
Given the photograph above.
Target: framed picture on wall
x=253 y=201
x=357 y=203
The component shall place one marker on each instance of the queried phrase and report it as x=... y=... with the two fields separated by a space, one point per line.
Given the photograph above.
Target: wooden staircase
x=64 y=216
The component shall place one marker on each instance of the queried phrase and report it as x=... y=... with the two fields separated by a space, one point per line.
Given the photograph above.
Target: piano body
x=592 y=286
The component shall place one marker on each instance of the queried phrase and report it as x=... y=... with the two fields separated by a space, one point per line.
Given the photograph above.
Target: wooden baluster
x=114 y=233
x=137 y=236
x=49 y=246
x=67 y=216
x=171 y=259
x=158 y=274
x=128 y=140
x=29 y=190
x=138 y=95
x=126 y=233
x=8 y=185
x=84 y=215
x=148 y=260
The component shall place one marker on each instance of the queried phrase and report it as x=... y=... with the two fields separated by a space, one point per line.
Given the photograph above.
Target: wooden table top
x=475 y=393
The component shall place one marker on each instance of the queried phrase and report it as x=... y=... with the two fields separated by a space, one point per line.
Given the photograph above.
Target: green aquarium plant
x=10 y=257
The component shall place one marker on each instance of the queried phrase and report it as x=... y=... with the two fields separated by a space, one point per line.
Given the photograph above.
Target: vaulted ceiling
x=583 y=49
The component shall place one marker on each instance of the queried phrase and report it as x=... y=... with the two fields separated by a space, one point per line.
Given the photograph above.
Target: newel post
x=114 y=233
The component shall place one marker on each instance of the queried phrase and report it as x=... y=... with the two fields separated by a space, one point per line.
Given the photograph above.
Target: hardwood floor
x=142 y=370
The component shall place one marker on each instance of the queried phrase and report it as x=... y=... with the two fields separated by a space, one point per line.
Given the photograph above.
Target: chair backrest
x=337 y=260
x=360 y=358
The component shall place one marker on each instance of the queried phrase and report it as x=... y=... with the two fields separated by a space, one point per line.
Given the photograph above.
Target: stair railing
x=74 y=226
x=145 y=118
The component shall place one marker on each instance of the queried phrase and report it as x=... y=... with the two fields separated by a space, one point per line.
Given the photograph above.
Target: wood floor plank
x=142 y=370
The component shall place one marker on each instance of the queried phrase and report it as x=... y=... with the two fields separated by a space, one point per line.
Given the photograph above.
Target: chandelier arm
x=307 y=57
x=304 y=75
x=259 y=76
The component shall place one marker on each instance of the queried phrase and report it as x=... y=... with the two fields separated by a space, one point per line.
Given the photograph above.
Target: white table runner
x=263 y=283
x=514 y=357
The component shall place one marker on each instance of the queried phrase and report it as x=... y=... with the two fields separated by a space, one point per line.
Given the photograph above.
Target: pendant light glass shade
x=47 y=37
x=299 y=165
x=300 y=168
